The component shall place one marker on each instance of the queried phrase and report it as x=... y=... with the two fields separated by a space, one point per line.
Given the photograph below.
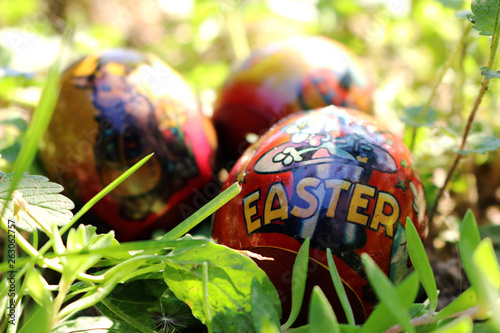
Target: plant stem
x=468 y=126
x=442 y=72
x=45 y=262
x=19 y=274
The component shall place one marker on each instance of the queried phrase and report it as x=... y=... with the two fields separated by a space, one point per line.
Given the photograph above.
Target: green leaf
x=479 y=143
x=38 y=289
x=493 y=232
x=421 y=264
x=486 y=279
x=268 y=326
x=412 y=116
x=485 y=16
x=80 y=239
x=321 y=315
x=469 y=240
x=299 y=276
x=38 y=321
x=46 y=203
x=381 y=318
x=230 y=276
x=90 y=324
x=339 y=288
x=464 y=301
x=387 y=293
x=263 y=308
x=147 y=305
x=489 y=73
x=460 y=325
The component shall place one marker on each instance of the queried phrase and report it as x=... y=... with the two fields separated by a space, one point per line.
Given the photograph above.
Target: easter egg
x=115 y=108
x=287 y=76
x=338 y=177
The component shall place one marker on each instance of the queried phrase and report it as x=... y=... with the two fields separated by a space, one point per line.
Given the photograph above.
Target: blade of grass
x=154 y=245
x=321 y=315
x=380 y=319
x=299 y=276
x=421 y=263
x=339 y=288
x=387 y=294
x=469 y=240
x=41 y=118
x=204 y=212
x=464 y=301
x=96 y=198
x=486 y=280
x=206 y=306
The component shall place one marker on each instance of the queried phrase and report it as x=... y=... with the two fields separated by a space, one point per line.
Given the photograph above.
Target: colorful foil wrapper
x=298 y=73
x=338 y=177
x=114 y=109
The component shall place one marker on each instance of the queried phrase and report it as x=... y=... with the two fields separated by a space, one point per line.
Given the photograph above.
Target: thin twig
x=468 y=126
x=458 y=156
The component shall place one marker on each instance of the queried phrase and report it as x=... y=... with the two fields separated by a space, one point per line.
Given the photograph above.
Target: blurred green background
x=404 y=43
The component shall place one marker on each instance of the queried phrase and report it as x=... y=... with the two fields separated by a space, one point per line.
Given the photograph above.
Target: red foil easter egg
x=115 y=108
x=338 y=177
x=287 y=76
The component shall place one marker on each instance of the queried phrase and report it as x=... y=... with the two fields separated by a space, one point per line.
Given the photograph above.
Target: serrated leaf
x=44 y=199
x=321 y=315
x=421 y=264
x=480 y=144
x=412 y=116
x=387 y=294
x=489 y=73
x=485 y=16
x=230 y=276
x=39 y=120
